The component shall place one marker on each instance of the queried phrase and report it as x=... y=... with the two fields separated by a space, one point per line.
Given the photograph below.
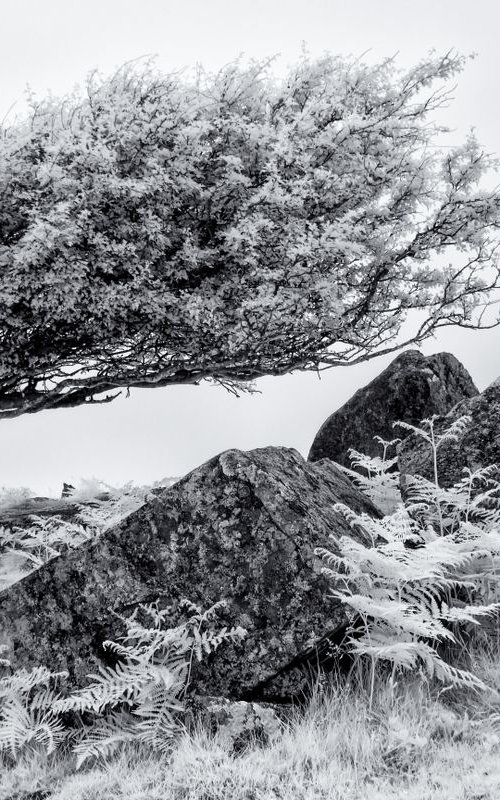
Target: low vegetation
x=413 y=743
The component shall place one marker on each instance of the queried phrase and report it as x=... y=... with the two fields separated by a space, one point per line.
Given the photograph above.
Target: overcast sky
x=53 y=44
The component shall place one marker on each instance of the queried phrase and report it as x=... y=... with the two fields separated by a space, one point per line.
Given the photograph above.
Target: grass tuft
x=417 y=741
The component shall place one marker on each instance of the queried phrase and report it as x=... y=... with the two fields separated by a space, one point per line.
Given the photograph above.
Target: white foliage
x=150 y=680
x=27 y=712
x=407 y=583
x=140 y=698
x=379 y=483
x=12 y=496
x=235 y=225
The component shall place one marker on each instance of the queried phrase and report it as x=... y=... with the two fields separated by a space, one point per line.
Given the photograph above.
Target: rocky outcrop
x=242 y=527
x=412 y=388
x=478 y=446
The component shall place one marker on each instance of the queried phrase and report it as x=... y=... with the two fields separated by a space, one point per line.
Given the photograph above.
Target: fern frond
x=415 y=429
x=403 y=654
x=403 y=587
x=15 y=725
x=454 y=430
x=468 y=613
x=158 y=730
x=112 y=686
x=20 y=725
x=105 y=737
x=44 y=698
x=156 y=698
x=398 y=614
x=457 y=677
x=23 y=681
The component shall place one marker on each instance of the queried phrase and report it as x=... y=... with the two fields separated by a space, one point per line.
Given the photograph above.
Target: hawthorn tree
x=162 y=229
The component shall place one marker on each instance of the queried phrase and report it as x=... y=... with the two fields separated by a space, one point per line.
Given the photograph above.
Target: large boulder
x=476 y=447
x=242 y=527
x=410 y=389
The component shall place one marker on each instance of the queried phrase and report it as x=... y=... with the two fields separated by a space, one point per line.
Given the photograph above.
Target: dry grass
x=415 y=744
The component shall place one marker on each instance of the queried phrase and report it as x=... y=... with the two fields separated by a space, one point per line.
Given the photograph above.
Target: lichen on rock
x=243 y=527
x=411 y=388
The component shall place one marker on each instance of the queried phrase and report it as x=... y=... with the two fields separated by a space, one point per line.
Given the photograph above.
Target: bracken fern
x=425 y=568
x=27 y=713
x=140 y=698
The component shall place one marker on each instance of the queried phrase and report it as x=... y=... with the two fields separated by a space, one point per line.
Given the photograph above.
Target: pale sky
x=53 y=44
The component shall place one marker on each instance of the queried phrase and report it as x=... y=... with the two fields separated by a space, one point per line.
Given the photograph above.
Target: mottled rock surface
x=237 y=722
x=410 y=389
x=242 y=527
x=478 y=446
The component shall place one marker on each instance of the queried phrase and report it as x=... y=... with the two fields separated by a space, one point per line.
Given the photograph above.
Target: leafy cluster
x=139 y=699
x=162 y=229
x=425 y=570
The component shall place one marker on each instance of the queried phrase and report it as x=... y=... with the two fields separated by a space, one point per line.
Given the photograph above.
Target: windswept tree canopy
x=163 y=230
